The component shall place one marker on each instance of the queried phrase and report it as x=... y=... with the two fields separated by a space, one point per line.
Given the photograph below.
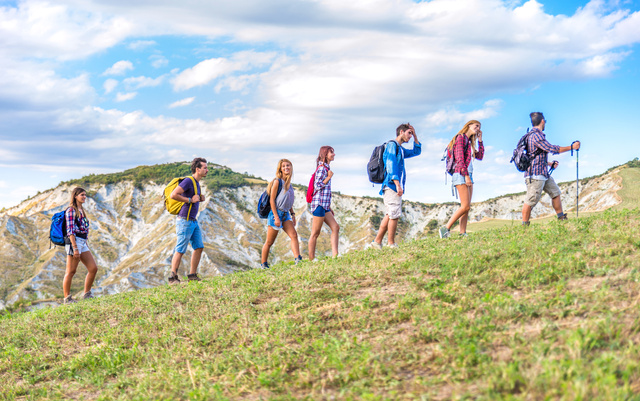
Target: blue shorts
x=188 y=231
x=458 y=179
x=283 y=215
x=320 y=211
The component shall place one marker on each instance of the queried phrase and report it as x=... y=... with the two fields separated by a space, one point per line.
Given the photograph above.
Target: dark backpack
x=375 y=167
x=522 y=158
x=58 y=229
x=264 y=203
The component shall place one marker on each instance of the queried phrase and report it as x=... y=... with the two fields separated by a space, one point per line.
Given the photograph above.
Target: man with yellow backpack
x=184 y=201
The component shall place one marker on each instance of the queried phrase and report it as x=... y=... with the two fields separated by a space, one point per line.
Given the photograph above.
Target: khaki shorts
x=392 y=203
x=535 y=188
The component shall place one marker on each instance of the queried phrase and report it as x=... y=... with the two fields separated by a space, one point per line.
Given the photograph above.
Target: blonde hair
x=463 y=131
x=77 y=207
x=279 y=174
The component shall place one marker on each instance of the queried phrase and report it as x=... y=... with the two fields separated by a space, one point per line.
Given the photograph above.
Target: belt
x=184 y=218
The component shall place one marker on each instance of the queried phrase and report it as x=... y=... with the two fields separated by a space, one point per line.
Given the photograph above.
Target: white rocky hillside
x=132 y=236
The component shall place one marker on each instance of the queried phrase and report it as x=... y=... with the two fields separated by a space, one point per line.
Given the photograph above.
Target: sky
x=100 y=86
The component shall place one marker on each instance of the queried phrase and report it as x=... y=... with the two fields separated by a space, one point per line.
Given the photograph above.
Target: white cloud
x=123 y=97
x=141 y=44
x=119 y=68
x=180 y=103
x=134 y=83
x=109 y=85
x=446 y=119
x=158 y=61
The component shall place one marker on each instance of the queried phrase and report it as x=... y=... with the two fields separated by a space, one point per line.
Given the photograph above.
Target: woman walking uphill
x=464 y=148
x=321 y=203
x=77 y=226
x=281 y=216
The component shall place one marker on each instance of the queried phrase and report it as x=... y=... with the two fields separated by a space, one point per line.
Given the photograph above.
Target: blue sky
x=96 y=86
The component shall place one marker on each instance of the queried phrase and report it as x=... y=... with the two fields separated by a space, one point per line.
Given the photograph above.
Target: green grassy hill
x=546 y=312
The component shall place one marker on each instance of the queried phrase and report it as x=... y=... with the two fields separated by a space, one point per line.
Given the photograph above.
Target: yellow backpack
x=173 y=206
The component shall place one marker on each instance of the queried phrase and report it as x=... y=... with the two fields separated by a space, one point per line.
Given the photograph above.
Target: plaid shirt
x=463 y=159
x=540 y=164
x=322 y=195
x=72 y=228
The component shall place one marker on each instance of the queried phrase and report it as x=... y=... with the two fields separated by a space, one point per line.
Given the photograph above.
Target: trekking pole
x=577 y=177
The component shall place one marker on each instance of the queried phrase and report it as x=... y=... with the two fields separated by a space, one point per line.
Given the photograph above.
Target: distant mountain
x=132 y=236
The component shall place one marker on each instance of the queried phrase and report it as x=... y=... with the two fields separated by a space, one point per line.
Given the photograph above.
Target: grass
x=548 y=312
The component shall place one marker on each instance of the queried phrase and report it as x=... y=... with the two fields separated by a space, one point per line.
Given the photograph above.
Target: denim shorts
x=458 y=179
x=282 y=214
x=188 y=231
x=81 y=243
x=320 y=211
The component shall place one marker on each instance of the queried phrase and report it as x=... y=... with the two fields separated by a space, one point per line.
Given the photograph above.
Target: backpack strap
x=195 y=189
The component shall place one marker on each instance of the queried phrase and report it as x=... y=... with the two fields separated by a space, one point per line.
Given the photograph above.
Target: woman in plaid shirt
x=464 y=149
x=321 y=203
x=77 y=231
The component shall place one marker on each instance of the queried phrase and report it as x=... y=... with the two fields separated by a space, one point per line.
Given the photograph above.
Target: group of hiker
x=387 y=166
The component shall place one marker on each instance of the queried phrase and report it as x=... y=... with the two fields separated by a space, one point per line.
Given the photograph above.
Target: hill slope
x=132 y=237
x=550 y=311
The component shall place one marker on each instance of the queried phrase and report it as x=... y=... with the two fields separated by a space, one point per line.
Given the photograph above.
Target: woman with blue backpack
x=282 y=216
x=321 y=202
x=465 y=146
x=77 y=232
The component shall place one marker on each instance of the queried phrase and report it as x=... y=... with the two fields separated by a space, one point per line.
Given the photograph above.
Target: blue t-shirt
x=187 y=185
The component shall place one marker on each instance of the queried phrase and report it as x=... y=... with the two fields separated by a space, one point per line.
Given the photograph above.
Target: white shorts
x=392 y=203
x=81 y=243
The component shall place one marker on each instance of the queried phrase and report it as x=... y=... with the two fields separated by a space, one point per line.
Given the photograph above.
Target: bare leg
x=465 y=217
x=335 y=232
x=465 y=205
x=393 y=226
x=288 y=228
x=175 y=262
x=384 y=224
x=526 y=212
x=195 y=260
x=271 y=238
x=557 y=204
x=72 y=265
x=316 y=226
x=88 y=260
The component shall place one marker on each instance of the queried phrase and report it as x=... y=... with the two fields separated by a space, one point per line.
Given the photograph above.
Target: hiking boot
x=443 y=232
x=193 y=277
x=69 y=300
x=88 y=295
x=174 y=279
x=298 y=259
x=264 y=265
x=563 y=217
x=375 y=245
x=392 y=246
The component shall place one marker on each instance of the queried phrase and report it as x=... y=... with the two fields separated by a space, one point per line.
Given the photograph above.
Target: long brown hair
x=463 y=131
x=323 y=153
x=279 y=174
x=77 y=207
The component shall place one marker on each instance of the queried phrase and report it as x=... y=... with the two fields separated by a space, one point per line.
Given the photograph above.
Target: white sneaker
x=444 y=232
x=375 y=245
x=393 y=246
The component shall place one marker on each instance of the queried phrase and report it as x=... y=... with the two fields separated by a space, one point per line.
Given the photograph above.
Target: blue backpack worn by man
x=537 y=177
x=394 y=180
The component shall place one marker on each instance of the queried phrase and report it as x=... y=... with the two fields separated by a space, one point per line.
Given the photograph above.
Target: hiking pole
x=577 y=177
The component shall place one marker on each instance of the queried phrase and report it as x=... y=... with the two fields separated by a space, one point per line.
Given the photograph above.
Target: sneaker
x=375 y=245
x=174 y=279
x=526 y=223
x=464 y=235
x=298 y=259
x=563 y=217
x=443 y=232
x=264 y=265
x=69 y=300
x=392 y=246
x=88 y=295
x=193 y=277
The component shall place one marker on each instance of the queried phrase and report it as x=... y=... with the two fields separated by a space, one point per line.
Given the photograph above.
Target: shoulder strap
x=195 y=189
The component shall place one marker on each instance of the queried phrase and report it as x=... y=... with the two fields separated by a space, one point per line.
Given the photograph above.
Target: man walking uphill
x=187 y=228
x=537 y=177
x=394 y=180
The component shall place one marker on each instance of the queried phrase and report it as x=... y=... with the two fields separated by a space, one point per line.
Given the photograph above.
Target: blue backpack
x=58 y=229
x=264 y=205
